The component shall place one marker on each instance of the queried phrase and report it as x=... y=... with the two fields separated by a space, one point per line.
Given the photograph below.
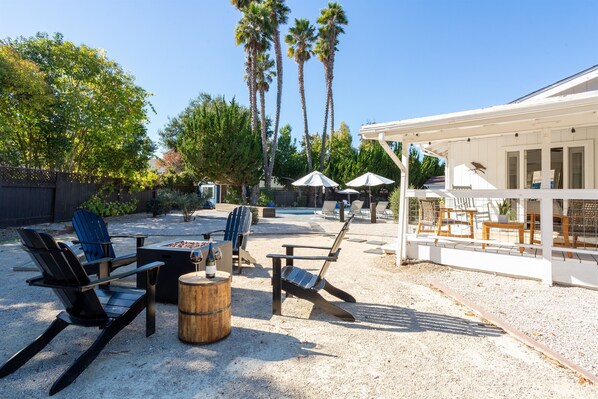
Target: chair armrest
x=304 y=246
x=129 y=236
x=39 y=281
x=209 y=233
x=309 y=257
x=92 y=242
x=96 y=262
x=119 y=276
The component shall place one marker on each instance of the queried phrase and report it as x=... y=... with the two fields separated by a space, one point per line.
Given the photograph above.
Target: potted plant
x=504 y=208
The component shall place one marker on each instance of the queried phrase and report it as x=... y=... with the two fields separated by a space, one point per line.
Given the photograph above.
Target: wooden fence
x=30 y=196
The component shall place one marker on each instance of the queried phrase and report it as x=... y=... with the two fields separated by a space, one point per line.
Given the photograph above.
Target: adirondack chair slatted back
x=237 y=227
x=60 y=265
x=336 y=247
x=91 y=228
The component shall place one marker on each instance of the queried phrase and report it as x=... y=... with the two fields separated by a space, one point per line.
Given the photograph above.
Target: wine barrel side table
x=204 y=308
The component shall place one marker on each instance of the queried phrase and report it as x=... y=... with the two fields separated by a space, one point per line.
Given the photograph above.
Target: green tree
x=218 y=144
x=264 y=74
x=300 y=40
x=344 y=166
x=331 y=20
x=290 y=165
x=98 y=115
x=25 y=97
x=278 y=16
x=253 y=31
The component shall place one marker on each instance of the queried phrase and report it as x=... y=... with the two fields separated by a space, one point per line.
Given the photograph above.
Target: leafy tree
x=300 y=40
x=218 y=144
x=331 y=20
x=97 y=117
x=25 y=97
x=343 y=164
x=290 y=165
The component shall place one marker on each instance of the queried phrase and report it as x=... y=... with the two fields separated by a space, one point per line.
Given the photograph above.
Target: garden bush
x=101 y=206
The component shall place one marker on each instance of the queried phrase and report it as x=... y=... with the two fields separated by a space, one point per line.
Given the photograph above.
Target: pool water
x=295 y=211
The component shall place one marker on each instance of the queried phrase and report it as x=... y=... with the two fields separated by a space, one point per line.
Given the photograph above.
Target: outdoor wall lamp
x=573 y=130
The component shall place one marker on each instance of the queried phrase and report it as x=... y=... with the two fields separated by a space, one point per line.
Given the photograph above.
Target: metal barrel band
x=206 y=313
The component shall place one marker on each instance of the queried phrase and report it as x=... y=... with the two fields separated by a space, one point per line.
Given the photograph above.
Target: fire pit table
x=175 y=255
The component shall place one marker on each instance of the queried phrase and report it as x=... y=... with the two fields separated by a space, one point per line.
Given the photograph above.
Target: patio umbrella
x=369 y=179
x=315 y=179
x=348 y=191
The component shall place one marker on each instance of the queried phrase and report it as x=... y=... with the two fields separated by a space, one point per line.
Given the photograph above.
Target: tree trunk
x=252 y=92
x=323 y=150
x=305 y=125
x=243 y=196
x=255 y=192
x=264 y=138
x=278 y=52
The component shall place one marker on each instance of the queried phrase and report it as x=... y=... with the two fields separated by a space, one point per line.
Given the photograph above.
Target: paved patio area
x=409 y=340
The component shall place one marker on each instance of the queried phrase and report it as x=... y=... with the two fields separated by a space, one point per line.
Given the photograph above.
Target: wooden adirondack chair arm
x=305 y=246
x=129 y=236
x=92 y=242
x=209 y=233
x=39 y=281
x=303 y=257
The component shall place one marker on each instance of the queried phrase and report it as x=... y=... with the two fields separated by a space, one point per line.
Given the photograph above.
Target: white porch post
x=546 y=222
x=404 y=167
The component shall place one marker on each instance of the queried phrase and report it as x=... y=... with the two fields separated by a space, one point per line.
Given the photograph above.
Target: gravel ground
x=409 y=341
x=562 y=318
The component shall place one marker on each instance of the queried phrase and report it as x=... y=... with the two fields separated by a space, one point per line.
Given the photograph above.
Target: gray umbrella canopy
x=348 y=191
x=369 y=179
x=315 y=179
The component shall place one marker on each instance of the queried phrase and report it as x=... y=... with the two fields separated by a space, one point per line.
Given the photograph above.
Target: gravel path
x=563 y=318
x=409 y=341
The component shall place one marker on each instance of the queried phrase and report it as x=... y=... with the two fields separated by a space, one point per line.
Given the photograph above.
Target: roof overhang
x=575 y=110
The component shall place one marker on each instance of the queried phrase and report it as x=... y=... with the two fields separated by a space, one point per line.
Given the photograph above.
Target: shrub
x=254 y=215
x=232 y=197
x=395 y=201
x=100 y=206
x=188 y=203
x=155 y=207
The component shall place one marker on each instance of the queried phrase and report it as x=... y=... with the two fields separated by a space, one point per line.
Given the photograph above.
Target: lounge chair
x=238 y=227
x=305 y=285
x=97 y=243
x=356 y=208
x=382 y=210
x=328 y=209
x=583 y=222
x=87 y=303
x=467 y=203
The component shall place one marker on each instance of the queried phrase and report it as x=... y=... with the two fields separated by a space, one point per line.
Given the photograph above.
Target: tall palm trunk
x=332 y=50
x=323 y=151
x=252 y=91
x=304 y=108
x=278 y=53
x=267 y=178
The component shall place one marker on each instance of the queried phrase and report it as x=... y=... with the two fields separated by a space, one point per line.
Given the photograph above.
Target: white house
x=539 y=153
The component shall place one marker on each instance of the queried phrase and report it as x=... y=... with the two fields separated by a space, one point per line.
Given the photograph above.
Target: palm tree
x=278 y=16
x=253 y=31
x=300 y=40
x=263 y=76
x=331 y=20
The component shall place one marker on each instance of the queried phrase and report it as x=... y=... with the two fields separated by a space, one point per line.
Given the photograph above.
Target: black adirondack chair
x=88 y=303
x=305 y=285
x=238 y=226
x=97 y=243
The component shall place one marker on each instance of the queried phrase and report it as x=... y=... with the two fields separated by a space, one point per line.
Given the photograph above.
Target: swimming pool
x=295 y=211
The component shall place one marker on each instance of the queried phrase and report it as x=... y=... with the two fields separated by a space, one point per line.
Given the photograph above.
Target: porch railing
x=540 y=221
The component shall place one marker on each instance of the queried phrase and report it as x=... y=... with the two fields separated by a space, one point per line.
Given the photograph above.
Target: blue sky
x=397 y=60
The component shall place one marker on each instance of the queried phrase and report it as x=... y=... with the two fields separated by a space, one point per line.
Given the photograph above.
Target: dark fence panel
x=285 y=198
x=31 y=196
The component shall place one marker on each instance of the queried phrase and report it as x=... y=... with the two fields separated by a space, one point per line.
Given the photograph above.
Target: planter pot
x=503 y=219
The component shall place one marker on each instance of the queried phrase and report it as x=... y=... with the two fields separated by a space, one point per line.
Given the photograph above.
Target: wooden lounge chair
x=328 y=209
x=87 y=303
x=467 y=204
x=238 y=227
x=97 y=243
x=583 y=222
x=437 y=220
x=303 y=284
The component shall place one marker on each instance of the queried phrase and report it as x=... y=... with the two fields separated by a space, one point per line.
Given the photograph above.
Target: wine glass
x=196 y=257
